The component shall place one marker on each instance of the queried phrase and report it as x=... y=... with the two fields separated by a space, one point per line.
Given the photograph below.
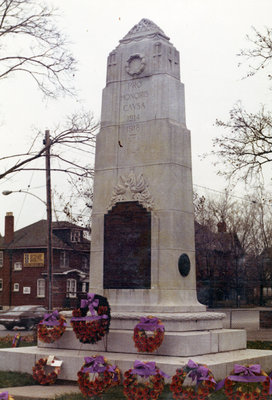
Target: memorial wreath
x=200 y=374
x=97 y=375
x=91 y=328
x=143 y=341
x=40 y=375
x=52 y=327
x=144 y=382
x=248 y=382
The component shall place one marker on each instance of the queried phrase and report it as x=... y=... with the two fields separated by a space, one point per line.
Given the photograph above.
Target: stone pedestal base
x=186 y=334
x=178 y=344
x=199 y=336
x=22 y=359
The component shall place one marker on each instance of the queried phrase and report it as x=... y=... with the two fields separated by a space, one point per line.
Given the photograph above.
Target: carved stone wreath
x=132 y=188
x=135 y=64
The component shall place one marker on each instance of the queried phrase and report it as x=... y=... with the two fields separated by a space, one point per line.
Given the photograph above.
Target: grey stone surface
x=143 y=153
x=220 y=363
x=241 y=318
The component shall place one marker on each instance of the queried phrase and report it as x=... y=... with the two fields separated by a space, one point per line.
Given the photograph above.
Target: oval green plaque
x=184 y=265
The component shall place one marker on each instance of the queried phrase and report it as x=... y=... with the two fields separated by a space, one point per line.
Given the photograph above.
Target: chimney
x=222 y=227
x=9 y=227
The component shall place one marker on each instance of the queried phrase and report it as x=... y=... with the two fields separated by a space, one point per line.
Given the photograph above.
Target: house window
x=40 y=287
x=1 y=258
x=85 y=262
x=75 y=236
x=84 y=287
x=1 y=284
x=64 y=259
x=17 y=266
x=71 y=288
x=16 y=287
x=26 y=290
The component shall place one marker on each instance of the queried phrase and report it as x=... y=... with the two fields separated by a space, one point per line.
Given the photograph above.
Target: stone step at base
x=173 y=322
x=221 y=364
x=174 y=344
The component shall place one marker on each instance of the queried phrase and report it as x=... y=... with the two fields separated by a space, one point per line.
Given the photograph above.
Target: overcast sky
x=207 y=33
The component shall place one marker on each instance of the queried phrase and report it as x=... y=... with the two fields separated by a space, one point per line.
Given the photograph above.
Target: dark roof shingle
x=35 y=236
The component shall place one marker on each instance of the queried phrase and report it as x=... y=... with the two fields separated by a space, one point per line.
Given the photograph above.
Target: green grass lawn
x=9 y=379
x=258 y=344
x=114 y=394
x=28 y=340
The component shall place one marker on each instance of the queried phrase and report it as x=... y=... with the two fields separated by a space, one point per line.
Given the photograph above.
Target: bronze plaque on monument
x=127 y=247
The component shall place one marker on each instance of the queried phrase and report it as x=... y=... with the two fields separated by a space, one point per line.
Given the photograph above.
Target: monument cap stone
x=145 y=51
x=145 y=28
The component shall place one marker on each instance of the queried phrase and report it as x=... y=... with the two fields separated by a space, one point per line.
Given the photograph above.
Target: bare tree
x=247 y=147
x=30 y=43
x=219 y=253
x=259 y=54
x=77 y=206
x=245 y=150
x=248 y=263
x=68 y=145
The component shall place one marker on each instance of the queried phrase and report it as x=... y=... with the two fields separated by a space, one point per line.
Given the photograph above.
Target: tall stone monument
x=143 y=253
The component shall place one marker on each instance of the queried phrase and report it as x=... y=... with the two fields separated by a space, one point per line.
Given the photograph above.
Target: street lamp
x=7 y=192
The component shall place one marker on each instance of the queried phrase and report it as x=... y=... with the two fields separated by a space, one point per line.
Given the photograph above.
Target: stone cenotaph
x=142 y=249
x=143 y=252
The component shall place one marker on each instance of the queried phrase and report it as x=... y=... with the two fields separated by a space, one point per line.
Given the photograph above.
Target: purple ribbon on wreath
x=198 y=372
x=149 y=324
x=112 y=368
x=94 y=364
x=51 y=319
x=90 y=302
x=248 y=375
x=4 y=395
x=147 y=369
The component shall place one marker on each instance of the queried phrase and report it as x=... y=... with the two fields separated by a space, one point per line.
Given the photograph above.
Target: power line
x=231 y=195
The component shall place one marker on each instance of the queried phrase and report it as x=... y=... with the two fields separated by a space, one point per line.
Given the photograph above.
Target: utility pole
x=47 y=143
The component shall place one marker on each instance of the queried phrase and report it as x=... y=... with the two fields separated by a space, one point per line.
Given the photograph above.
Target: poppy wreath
x=96 y=376
x=40 y=375
x=146 y=343
x=246 y=383
x=52 y=327
x=144 y=382
x=5 y=396
x=203 y=377
x=91 y=328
